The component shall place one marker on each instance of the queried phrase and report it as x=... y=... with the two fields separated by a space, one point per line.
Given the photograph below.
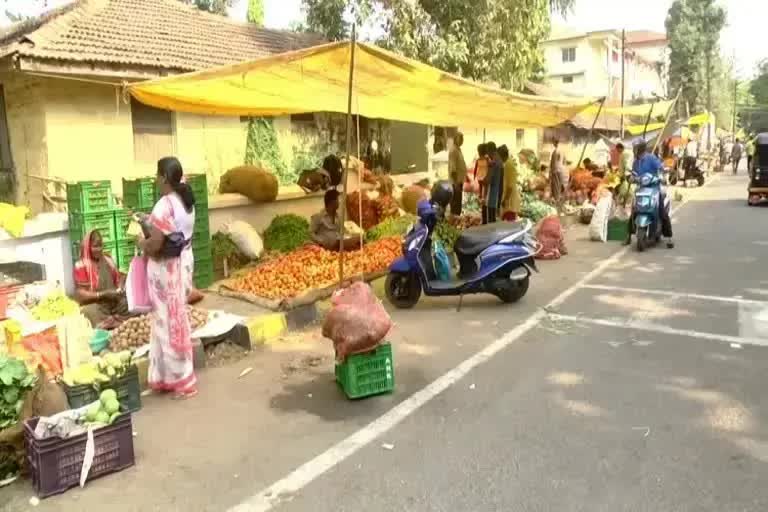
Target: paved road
x=611 y=400
x=649 y=400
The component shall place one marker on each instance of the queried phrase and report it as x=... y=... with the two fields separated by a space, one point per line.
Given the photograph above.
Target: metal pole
x=589 y=135
x=735 y=96
x=648 y=118
x=709 y=98
x=623 y=58
x=666 y=121
x=343 y=206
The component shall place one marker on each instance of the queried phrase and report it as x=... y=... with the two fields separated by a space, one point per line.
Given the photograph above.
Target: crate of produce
x=82 y=223
x=125 y=252
x=127 y=389
x=367 y=374
x=110 y=249
x=202 y=223
x=123 y=220
x=55 y=463
x=199 y=185
x=618 y=229
x=140 y=194
x=89 y=196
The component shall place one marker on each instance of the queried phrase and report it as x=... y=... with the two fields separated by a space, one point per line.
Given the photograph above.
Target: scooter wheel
x=403 y=290
x=700 y=181
x=512 y=291
x=642 y=240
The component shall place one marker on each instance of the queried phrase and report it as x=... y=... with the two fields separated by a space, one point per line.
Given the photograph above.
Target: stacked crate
x=201 y=240
x=91 y=206
x=139 y=196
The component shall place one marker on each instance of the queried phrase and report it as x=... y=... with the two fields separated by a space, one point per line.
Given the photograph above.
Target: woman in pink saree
x=171 y=367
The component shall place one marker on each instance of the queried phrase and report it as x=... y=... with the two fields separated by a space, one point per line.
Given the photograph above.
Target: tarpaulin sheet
x=386 y=86
x=698 y=119
x=660 y=109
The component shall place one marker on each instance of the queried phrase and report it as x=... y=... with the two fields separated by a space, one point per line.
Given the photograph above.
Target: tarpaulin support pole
x=666 y=120
x=343 y=205
x=589 y=135
x=648 y=119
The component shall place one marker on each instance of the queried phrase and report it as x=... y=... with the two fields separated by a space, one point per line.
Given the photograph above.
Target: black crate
x=127 y=388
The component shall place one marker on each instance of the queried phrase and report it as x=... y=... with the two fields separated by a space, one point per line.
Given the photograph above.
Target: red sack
x=550 y=235
x=357 y=321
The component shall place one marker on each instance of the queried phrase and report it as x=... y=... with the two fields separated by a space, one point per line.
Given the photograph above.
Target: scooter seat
x=475 y=240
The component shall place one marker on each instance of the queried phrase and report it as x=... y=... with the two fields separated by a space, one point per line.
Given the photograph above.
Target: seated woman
x=99 y=284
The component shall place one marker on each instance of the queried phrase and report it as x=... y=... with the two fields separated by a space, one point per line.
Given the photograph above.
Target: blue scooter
x=646 y=210
x=496 y=258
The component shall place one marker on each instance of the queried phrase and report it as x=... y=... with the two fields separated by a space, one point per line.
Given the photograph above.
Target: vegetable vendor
x=99 y=285
x=324 y=226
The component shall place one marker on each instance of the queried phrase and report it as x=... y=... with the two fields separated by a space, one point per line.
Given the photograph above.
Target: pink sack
x=137 y=286
x=357 y=321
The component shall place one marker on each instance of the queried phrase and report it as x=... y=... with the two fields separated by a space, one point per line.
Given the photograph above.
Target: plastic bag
x=258 y=185
x=357 y=321
x=137 y=286
x=246 y=239
x=598 y=227
x=12 y=218
x=442 y=261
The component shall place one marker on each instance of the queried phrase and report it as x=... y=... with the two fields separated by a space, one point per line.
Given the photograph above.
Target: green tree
x=256 y=12
x=693 y=31
x=486 y=40
x=759 y=85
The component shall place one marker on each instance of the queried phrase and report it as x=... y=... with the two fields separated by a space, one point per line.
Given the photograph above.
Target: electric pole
x=709 y=97
x=735 y=93
x=623 y=58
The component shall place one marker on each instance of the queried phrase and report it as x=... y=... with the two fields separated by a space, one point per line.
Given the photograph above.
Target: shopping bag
x=137 y=286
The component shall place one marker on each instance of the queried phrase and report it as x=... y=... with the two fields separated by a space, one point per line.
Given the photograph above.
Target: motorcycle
x=496 y=258
x=646 y=210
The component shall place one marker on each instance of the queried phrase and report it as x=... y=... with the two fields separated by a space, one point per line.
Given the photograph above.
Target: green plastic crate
x=199 y=185
x=123 y=220
x=202 y=242
x=618 y=229
x=126 y=250
x=203 y=276
x=127 y=388
x=110 y=249
x=202 y=222
x=368 y=374
x=82 y=223
x=140 y=194
x=89 y=196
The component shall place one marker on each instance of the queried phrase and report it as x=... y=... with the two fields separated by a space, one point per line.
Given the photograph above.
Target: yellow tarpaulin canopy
x=386 y=86
x=698 y=119
x=660 y=108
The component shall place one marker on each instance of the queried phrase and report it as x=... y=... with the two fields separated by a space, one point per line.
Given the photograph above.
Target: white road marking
x=282 y=490
x=658 y=328
x=681 y=295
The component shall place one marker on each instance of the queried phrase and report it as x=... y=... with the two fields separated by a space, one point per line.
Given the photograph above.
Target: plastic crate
x=110 y=250
x=618 y=229
x=140 y=194
x=368 y=374
x=202 y=222
x=201 y=243
x=81 y=223
x=203 y=276
x=199 y=185
x=127 y=389
x=89 y=196
x=125 y=252
x=55 y=463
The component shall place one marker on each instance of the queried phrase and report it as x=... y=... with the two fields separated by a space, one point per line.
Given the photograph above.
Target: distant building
x=589 y=63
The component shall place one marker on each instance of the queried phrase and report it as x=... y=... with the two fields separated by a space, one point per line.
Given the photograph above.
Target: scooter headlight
x=645 y=180
x=643 y=201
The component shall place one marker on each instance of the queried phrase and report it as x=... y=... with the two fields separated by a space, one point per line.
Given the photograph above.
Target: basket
x=89 y=196
x=367 y=374
x=618 y=229
x=139 y=194
x=82 y=223
x=127 y=389
x=55 y=463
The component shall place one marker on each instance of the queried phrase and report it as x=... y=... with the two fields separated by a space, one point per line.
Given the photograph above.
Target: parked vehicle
x=496 y=258
x=645 y=210
x=686 y=171
x=757 y=190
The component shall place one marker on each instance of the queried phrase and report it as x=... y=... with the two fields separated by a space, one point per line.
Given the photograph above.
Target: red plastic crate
x=55 y=463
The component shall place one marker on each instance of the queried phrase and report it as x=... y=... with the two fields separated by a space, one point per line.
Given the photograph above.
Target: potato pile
x=134 y=333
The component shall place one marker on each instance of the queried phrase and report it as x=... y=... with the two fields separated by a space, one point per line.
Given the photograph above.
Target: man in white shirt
x=691 y=155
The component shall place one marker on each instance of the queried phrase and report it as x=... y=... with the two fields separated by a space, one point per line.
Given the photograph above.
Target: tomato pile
x=311 y=267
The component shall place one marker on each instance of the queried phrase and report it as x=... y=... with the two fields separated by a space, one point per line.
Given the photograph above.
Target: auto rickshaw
x=758 y=172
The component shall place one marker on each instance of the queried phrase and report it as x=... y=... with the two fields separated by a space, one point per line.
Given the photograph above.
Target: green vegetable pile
x=447 y=235
x=222 y=246
x=105 y=411
x=15 y=381
x=395 y=226
x=262 y=146
x=286 y=233
x=535 y=209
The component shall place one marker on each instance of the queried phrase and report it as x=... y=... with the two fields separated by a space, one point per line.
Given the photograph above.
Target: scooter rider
x=646 y=163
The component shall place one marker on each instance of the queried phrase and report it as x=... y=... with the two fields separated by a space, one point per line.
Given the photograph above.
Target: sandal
x=185 y=396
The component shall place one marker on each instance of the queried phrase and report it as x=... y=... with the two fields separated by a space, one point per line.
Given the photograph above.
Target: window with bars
x=569 y=54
